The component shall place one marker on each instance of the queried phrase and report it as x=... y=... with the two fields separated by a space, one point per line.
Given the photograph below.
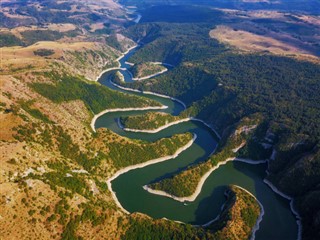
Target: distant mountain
x=311 y=6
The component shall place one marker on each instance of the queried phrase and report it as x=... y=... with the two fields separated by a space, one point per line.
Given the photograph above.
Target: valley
x=138 y=200
x=159 y=119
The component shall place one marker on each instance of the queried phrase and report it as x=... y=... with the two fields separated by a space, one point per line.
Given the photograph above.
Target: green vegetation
x=112 y=41
x=60 y=178
x=238 y=216
x=240 y=210
x=280 y=88
x=236 y=137
x=95 y=96
x=30 y=37
x=149 y=121
x=89 y=214
x=124 y=155
x=52 y=218
x=143 y=228
x=225 y=87
x=184 y=183
x=75 y=185
x=174 y=43
x=3 y=107
x=192 y=85
x=146 y=69
x=66 y=185
x=308 y=205
x=43 y=52
x=79 y=56
x=54 y=138
x=283 y=89
x=33 y=111
x=222 y=87
x=111 y=65
x=8 y=40
x=33 y=36
x=105 y=30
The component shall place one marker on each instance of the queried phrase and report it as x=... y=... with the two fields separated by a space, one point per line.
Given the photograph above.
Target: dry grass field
x=22 y=59
x=270 y=31
x=250 y=42
x=62 y=27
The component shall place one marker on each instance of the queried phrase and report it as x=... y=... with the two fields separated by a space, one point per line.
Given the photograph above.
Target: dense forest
x=148 y=121
x=222 y=86
x=95 y=96
x=146 y=69
x=211 y=76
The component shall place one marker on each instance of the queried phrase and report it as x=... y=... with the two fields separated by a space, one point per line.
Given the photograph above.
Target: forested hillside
x=222 y=86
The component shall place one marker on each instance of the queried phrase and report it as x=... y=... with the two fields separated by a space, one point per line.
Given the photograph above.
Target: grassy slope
x=60 y=141
x=148 y=121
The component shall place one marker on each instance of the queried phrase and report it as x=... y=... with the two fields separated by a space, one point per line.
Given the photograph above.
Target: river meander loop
x=278 y=221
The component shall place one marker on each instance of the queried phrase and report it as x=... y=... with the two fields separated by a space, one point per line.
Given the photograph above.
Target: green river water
x=278 y=221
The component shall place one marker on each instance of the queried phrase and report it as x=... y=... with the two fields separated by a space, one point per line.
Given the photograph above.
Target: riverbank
x=164 y=64
x=242 y=160
x=119 y=64
x=171 y=124
x=95 y=117
x=142 y=165
x=293 y=210
x=257 y=225
x=157 y=129
x=208 y=125
x=150 y=76
x=149 y=93
x=192 y=197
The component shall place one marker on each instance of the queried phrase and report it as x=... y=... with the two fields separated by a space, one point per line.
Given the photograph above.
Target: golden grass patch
x=314 y=20
x=250 y=42
x=8 y=122
x=14 y=59
x=63 y=27
x=96 y=26
x=16 y=220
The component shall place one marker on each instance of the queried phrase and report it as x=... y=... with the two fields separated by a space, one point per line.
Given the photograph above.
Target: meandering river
x=278 y=221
